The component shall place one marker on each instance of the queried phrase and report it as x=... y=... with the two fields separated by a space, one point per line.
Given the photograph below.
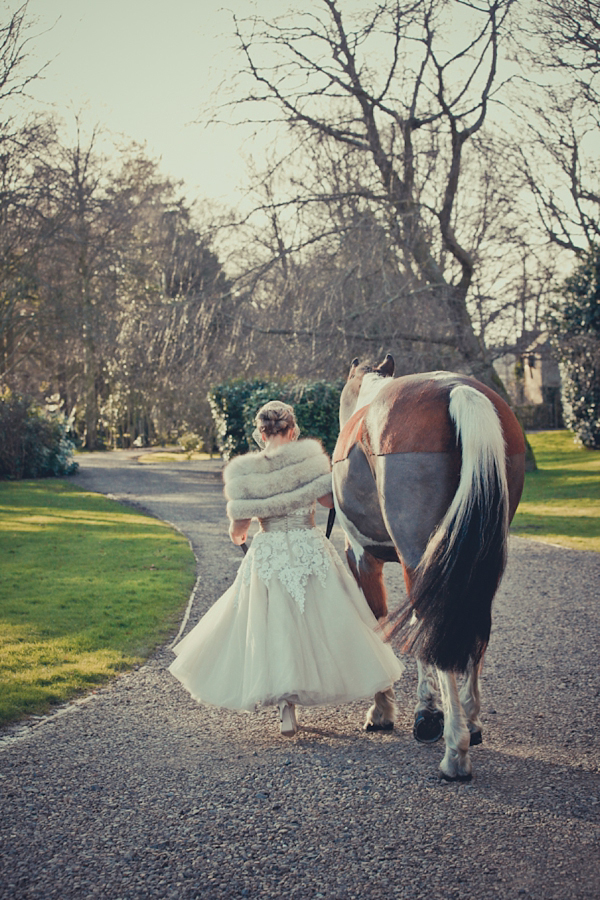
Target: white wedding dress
x=293 y=626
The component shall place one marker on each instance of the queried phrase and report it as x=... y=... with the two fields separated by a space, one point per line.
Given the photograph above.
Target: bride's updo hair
x=274 y=418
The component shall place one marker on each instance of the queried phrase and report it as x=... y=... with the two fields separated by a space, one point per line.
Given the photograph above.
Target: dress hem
x=299 y=697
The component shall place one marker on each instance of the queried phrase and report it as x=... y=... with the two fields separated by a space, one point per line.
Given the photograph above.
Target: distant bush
x=191 y=442
x=227 y=409
x=33 y=442
x=235 y=404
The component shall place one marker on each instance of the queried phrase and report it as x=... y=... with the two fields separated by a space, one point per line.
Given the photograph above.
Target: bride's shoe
x=287 y=717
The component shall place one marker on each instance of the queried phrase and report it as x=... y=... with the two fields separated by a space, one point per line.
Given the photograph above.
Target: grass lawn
x=88 y=588
x=561 y=501
x=160 y=456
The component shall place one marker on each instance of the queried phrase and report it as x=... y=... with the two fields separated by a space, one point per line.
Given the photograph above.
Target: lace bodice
x=291 y=549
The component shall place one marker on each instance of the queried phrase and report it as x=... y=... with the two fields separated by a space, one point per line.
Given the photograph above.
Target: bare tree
x=77 y=272
x=324 y=281
x=21 y=235
x=19 y=142
x=13 y=55
x=570 y=34
x=515 y=272
x=560 y=104
x=174 y=322
x=386 y=87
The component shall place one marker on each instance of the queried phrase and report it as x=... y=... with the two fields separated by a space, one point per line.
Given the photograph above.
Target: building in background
x=532 y=378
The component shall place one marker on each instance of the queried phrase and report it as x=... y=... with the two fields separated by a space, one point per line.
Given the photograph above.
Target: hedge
x=235 y=403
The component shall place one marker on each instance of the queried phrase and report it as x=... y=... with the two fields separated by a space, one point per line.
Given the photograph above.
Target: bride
x=293 y=628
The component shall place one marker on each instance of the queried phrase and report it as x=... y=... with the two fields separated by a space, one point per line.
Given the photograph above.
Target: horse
x=428 y=471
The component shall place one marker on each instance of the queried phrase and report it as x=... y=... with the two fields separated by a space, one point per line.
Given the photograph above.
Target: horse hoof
x=462 y=778
x=384 y=726
x=429 y=726
x=476 y=738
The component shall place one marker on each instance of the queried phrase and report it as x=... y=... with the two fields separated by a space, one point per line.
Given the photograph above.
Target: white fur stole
x=274 y=484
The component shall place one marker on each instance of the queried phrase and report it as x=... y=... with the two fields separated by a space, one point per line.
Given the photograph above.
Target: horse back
x=409 y=420
x=410 y=415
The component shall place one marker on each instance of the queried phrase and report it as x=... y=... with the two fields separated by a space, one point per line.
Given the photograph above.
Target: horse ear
x=353 y=365
x=387 y=367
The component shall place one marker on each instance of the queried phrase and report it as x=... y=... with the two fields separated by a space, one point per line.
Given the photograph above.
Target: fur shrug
x=288 y=478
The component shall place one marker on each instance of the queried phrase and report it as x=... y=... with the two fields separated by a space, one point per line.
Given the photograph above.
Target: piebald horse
x=428 y=471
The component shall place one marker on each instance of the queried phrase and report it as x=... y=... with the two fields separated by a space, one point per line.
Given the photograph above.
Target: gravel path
x=138 y=792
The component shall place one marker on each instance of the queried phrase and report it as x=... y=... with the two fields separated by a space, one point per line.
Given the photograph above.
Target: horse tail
x=455 y=581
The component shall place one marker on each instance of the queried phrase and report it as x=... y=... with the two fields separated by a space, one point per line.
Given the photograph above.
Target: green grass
x=88 y=588
x=561 y=501
x=160 y=456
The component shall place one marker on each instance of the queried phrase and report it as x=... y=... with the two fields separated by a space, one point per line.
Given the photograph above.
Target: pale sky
x=143 y=69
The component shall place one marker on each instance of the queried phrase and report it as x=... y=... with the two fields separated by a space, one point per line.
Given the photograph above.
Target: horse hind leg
x=456 y=764
x=429 y=718
x=470 y=698
x=382 y=715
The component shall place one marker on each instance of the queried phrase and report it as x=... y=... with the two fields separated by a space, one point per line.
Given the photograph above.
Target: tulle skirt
x=294 y=625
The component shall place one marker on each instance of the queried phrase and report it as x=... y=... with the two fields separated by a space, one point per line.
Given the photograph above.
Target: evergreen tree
x=575 y=326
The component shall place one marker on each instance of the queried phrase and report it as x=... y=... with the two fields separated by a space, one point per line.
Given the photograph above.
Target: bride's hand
x=326 y=500
x=238 y=531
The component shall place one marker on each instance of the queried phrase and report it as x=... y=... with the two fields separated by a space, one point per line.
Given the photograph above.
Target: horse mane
x=372 y=383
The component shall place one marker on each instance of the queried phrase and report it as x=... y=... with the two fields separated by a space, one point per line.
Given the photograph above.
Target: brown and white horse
x=428 y=471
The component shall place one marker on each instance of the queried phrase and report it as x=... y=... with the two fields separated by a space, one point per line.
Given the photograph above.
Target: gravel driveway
x=138 y=792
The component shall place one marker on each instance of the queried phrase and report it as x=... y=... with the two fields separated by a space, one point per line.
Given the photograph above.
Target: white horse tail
x=460 y=570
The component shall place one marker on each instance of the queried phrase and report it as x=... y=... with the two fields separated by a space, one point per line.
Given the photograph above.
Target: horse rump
x=452 y=588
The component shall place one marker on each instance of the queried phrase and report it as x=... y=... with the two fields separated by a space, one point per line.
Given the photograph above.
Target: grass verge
x=88 y=589
x=160 y=456
x=561 y=501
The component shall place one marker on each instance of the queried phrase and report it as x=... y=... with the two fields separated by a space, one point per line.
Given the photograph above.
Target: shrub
x=190 y=442
x=236 y=403
x=316 y=405
x=33 y=442
x=227 y=409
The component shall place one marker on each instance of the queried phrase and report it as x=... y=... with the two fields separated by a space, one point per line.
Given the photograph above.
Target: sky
x=144 y=69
